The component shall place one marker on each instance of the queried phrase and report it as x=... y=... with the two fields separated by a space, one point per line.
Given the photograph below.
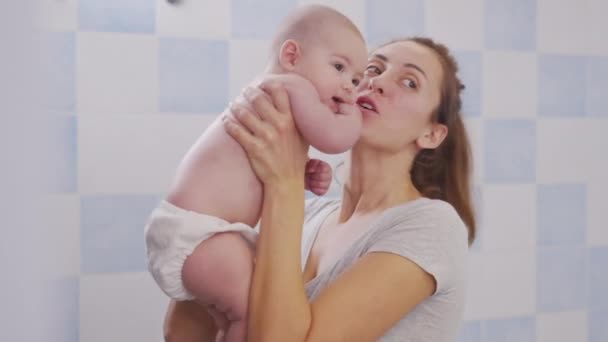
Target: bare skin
x=215 y=177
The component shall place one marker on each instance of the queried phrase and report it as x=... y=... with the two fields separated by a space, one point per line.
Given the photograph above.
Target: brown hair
x=444 y=172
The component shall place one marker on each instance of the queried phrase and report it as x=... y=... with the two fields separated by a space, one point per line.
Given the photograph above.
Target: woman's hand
x=276 y=150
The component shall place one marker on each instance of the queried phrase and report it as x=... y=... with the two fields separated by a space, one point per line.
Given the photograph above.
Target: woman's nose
x=375 y=84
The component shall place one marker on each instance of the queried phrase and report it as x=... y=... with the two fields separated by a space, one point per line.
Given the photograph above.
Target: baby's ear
x=289 y=54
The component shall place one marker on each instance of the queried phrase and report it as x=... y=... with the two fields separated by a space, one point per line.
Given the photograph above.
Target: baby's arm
x=325 y=130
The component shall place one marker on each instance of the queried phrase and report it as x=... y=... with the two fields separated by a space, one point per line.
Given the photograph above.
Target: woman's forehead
x=410 y=52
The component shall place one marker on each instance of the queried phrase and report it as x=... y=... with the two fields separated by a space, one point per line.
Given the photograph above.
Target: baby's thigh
x=219 y=272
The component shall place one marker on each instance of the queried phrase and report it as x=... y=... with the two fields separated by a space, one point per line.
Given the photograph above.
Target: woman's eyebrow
x=407 y=65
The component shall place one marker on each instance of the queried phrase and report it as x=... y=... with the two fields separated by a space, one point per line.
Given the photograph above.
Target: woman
x=387 y=261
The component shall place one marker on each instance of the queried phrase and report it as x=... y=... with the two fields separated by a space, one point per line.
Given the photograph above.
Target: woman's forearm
x=278 y=307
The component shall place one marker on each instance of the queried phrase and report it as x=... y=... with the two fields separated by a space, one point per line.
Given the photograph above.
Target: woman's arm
x=187 y=320
x=359 y=305
x=277 y=274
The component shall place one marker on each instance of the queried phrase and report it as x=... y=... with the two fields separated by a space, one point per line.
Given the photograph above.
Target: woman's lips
x=367 y=104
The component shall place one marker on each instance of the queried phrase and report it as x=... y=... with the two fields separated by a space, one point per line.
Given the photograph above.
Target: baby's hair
x=307 y=24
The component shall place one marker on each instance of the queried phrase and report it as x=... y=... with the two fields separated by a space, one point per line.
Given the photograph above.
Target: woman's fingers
x=261 y=103
x=248 y=119
x=278 y=94
x=240 y=134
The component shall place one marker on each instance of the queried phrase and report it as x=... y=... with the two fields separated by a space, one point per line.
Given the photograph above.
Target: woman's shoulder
x=429 y=212
x=425 y=222
x=428 y=232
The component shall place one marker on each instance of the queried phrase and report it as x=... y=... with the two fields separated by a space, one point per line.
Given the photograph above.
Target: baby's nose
x=348 y=97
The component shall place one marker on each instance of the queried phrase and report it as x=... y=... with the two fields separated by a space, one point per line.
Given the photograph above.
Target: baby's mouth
x=335 y=103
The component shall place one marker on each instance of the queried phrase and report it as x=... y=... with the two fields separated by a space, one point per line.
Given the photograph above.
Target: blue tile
x=597 y=86
x=510 y=151
x=193 y=75
x=562 y=214
x=516 y=329
x=112 y=232
x=60 y=69
x=598 y=279
x=598 y=326
x=390 y=19
x=561 y=86
x=132 y=16
x=510 y=25
x=470 y=73
x=561 y=279
x=258 y=19
x=470 y=332
x=59 y=157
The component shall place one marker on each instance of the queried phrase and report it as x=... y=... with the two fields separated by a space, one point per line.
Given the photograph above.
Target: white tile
x=207 y=19
x=597 y=212
x=510 y=85
x=58 y=15
x=501 y=284
x=458 y=24
x=509 y=218
x=60 y=216
x=121 y=307
x=248 y=59
x=353 y=9
x=117 y=73
x=563 y=26
x=561 y=327
x=134 y=153
x=571 y=150
x=474 y=128
x=598 y=27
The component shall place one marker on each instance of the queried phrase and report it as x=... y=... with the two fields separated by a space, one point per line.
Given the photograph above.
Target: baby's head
x=323 y=46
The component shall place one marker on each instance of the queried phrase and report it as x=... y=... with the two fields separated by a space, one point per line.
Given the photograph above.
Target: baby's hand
x=317 y=176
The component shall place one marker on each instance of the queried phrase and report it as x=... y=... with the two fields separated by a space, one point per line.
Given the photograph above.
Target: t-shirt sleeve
x=434 y=238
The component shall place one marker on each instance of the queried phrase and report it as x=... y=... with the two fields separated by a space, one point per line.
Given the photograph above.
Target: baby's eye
x=373 y=69
x=410 y=83
x=356 y=81
x=339 y=66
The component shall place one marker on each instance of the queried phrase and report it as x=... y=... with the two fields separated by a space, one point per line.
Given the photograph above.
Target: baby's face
x=336 y=67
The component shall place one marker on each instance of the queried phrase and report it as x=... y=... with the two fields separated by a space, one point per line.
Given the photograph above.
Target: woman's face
x=398 y=94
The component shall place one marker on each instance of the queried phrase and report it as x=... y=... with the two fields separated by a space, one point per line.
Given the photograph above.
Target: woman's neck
x=376 y=181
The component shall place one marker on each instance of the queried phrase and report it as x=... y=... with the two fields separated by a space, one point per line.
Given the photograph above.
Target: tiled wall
x=134 y=82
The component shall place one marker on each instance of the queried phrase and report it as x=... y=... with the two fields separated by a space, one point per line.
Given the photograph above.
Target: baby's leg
x=218 y=272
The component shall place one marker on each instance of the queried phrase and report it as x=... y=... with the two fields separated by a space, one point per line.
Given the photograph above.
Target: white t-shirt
x=429 y=233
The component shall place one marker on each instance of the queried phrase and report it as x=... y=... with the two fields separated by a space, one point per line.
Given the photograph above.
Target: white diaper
x=172 y=234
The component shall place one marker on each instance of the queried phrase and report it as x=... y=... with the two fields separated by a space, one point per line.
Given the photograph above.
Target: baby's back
x=215 y=178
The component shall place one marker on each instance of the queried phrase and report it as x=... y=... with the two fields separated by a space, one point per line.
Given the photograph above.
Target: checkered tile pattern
x=134 y=82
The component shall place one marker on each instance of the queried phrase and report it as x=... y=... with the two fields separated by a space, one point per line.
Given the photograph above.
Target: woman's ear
x=433 y=136
x=289 y=54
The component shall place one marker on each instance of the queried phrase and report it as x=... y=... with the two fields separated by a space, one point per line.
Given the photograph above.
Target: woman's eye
x=339 y=66
x=409 y=83
x=374 y=69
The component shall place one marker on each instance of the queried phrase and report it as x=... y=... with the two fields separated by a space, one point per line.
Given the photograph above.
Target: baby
x=200 y=239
